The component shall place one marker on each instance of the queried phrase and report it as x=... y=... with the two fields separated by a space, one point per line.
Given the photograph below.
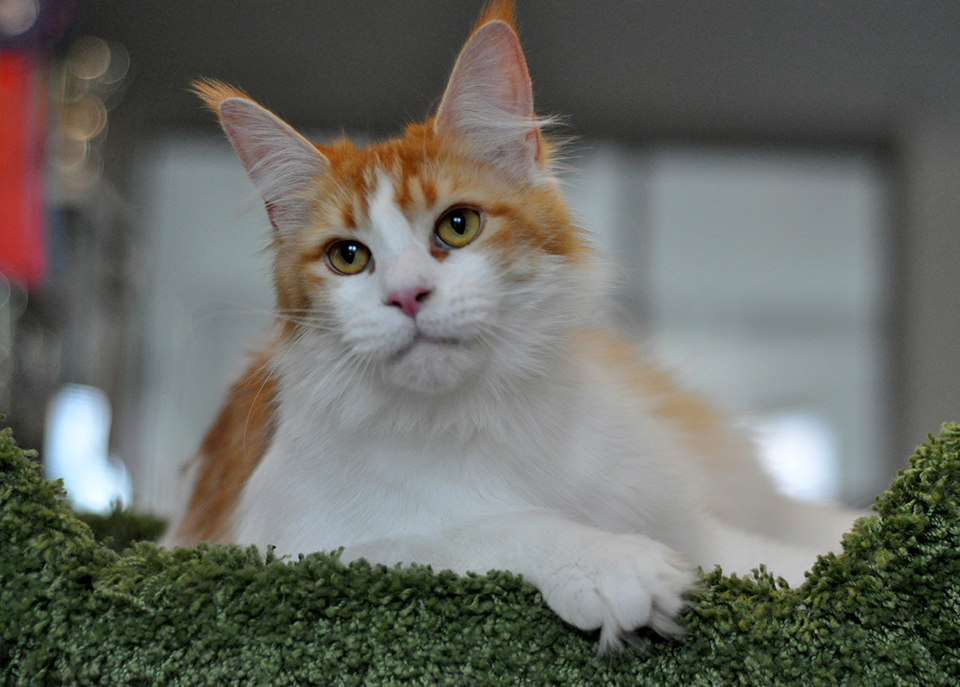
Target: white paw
x=619 y=582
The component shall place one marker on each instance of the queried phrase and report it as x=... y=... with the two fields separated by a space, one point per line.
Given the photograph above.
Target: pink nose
x=409 y=300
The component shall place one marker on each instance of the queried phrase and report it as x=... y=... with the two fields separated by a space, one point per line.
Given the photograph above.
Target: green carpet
x=75 y=612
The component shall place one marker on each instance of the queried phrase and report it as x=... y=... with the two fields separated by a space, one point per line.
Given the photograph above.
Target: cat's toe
x=619 y=584
x=628 y=599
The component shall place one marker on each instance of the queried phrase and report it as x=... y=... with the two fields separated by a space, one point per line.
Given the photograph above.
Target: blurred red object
x=23 y=255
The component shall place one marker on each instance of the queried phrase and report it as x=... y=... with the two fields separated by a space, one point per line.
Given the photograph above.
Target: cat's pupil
x=349 y=253
x=458 y=223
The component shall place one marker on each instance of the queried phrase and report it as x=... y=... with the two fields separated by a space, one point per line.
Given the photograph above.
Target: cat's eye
x=348 y=257
x=458 y=227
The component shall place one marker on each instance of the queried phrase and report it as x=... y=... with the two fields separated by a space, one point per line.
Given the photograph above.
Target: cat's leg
x=737 y=490
x=820 y=525
x=739 y=551
x=591 y=578
x=813 y=526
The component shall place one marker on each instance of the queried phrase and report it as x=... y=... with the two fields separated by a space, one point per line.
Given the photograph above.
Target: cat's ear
x=488 y=102
x=283 y=165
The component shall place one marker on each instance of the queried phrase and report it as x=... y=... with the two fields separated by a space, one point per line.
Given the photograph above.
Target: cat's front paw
x=620 y=582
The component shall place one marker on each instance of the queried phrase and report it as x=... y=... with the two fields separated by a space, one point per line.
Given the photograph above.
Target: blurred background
x=779 y=184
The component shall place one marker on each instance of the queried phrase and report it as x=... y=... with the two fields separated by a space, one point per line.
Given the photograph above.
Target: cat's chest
x=341 y=491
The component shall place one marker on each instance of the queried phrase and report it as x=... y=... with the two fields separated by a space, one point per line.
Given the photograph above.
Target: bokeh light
x=18 y=16
x=90 y=82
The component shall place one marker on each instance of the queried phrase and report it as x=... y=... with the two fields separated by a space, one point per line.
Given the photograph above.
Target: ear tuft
x=488 y=103
x=214 y=92
x=283 y=165
x=498 y=10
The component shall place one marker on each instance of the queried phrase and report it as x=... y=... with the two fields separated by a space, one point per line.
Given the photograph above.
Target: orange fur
x=698 y=421
x=723 y=455
x=214 y=92
x=230 y=452
x=497 y=10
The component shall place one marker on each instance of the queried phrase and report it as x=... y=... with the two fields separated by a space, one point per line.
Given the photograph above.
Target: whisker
x=271 y=375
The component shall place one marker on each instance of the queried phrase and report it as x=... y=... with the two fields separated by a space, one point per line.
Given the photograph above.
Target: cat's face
x=430 y=259
x=426 y=264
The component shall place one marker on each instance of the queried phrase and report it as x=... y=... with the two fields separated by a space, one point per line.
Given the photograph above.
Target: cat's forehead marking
x=348 y=217
x=415 y=191
x=387 y=218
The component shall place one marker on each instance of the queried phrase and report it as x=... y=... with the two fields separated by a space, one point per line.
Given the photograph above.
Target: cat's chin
x=434 y=365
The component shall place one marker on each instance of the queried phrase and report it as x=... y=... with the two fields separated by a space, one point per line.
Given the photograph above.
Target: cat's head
x=440 y=256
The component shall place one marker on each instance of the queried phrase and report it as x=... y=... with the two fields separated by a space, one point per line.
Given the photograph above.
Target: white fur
x=474 y=438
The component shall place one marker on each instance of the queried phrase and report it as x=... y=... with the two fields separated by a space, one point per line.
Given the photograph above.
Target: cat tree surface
x=886 y=611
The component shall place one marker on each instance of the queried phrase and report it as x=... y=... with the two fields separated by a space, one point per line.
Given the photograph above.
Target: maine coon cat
x=438 y=387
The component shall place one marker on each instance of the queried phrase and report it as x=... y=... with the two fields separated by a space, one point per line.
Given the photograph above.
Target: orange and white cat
x=439 y=388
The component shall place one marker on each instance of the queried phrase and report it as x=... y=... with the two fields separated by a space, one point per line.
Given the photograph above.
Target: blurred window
x=759 y=275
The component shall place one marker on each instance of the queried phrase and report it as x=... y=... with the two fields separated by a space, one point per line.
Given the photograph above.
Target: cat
x=439 y=388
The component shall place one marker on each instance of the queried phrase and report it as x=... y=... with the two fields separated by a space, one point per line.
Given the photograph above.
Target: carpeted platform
x=74 y=612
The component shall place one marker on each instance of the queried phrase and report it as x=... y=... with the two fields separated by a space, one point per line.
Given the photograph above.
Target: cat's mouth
x=421 y=339
x=422 y=344
x=432 y=364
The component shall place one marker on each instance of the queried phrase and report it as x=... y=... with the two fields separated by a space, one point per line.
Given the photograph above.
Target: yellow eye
x=458 y=227
x=348 y=257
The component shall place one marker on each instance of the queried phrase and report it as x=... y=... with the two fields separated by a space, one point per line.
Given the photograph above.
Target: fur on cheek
x=365 y=324
x=465 y=303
